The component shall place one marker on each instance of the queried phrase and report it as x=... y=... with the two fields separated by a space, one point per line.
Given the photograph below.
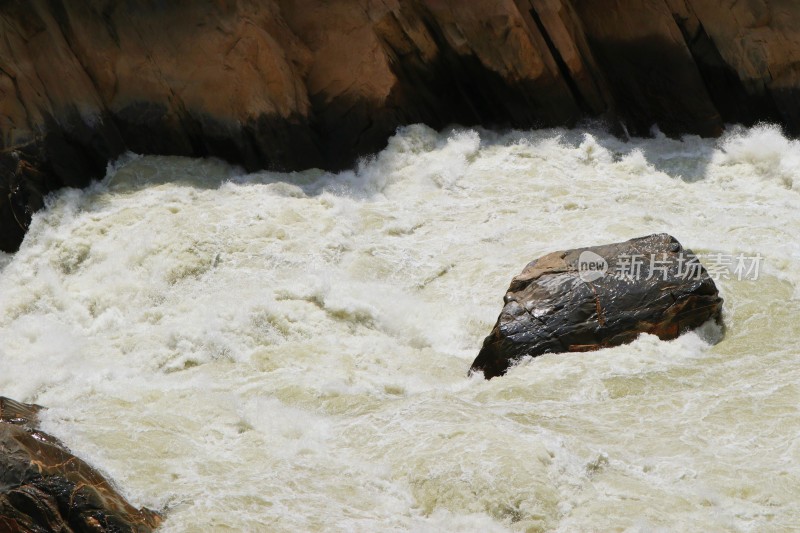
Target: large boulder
x=44 y=488
x=590 y=298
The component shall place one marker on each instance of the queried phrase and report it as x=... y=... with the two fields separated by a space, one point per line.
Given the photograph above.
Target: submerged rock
x=43 y=487
x=591 y=298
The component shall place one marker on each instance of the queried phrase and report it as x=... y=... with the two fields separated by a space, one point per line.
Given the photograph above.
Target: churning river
x=288 y=351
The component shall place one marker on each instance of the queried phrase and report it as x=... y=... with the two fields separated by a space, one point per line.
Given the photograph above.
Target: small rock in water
x=43 y=487
x=591 y=298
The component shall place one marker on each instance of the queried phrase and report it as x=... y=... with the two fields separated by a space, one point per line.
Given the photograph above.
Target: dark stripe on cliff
x=562 y=66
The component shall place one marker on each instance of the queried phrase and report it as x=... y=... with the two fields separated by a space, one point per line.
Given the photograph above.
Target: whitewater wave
x=288 y=351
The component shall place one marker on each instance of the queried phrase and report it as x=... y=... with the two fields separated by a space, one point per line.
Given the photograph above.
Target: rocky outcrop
x=590 y=298
x=289 y=84
x=44 y=488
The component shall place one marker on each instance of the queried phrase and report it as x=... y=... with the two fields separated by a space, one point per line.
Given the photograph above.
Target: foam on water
x=284 y=352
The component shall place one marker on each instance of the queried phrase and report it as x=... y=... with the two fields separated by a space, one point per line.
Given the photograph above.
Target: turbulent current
x=289 y=351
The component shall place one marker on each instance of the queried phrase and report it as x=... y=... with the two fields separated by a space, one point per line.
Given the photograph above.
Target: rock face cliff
x=298 y=83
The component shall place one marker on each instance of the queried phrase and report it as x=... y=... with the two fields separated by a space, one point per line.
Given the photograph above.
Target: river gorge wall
x=282 y=84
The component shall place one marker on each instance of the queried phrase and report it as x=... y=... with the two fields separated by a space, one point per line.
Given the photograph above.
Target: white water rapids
x=288 y=352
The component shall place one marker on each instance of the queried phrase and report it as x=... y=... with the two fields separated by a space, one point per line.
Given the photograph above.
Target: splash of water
x=288 y=351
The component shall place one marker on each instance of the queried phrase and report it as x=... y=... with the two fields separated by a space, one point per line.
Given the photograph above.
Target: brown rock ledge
x=290 y=84
x=44 y=488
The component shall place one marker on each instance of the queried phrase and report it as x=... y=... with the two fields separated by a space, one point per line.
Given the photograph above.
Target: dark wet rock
x=44 y=488
x=590 y=298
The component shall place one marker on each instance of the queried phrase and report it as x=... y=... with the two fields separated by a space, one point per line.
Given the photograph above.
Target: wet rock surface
x=44 y=488
x=590 y=298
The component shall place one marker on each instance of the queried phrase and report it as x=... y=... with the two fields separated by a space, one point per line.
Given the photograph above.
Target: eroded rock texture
x=44 y=488
x=591 y=298
x=299 y=83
